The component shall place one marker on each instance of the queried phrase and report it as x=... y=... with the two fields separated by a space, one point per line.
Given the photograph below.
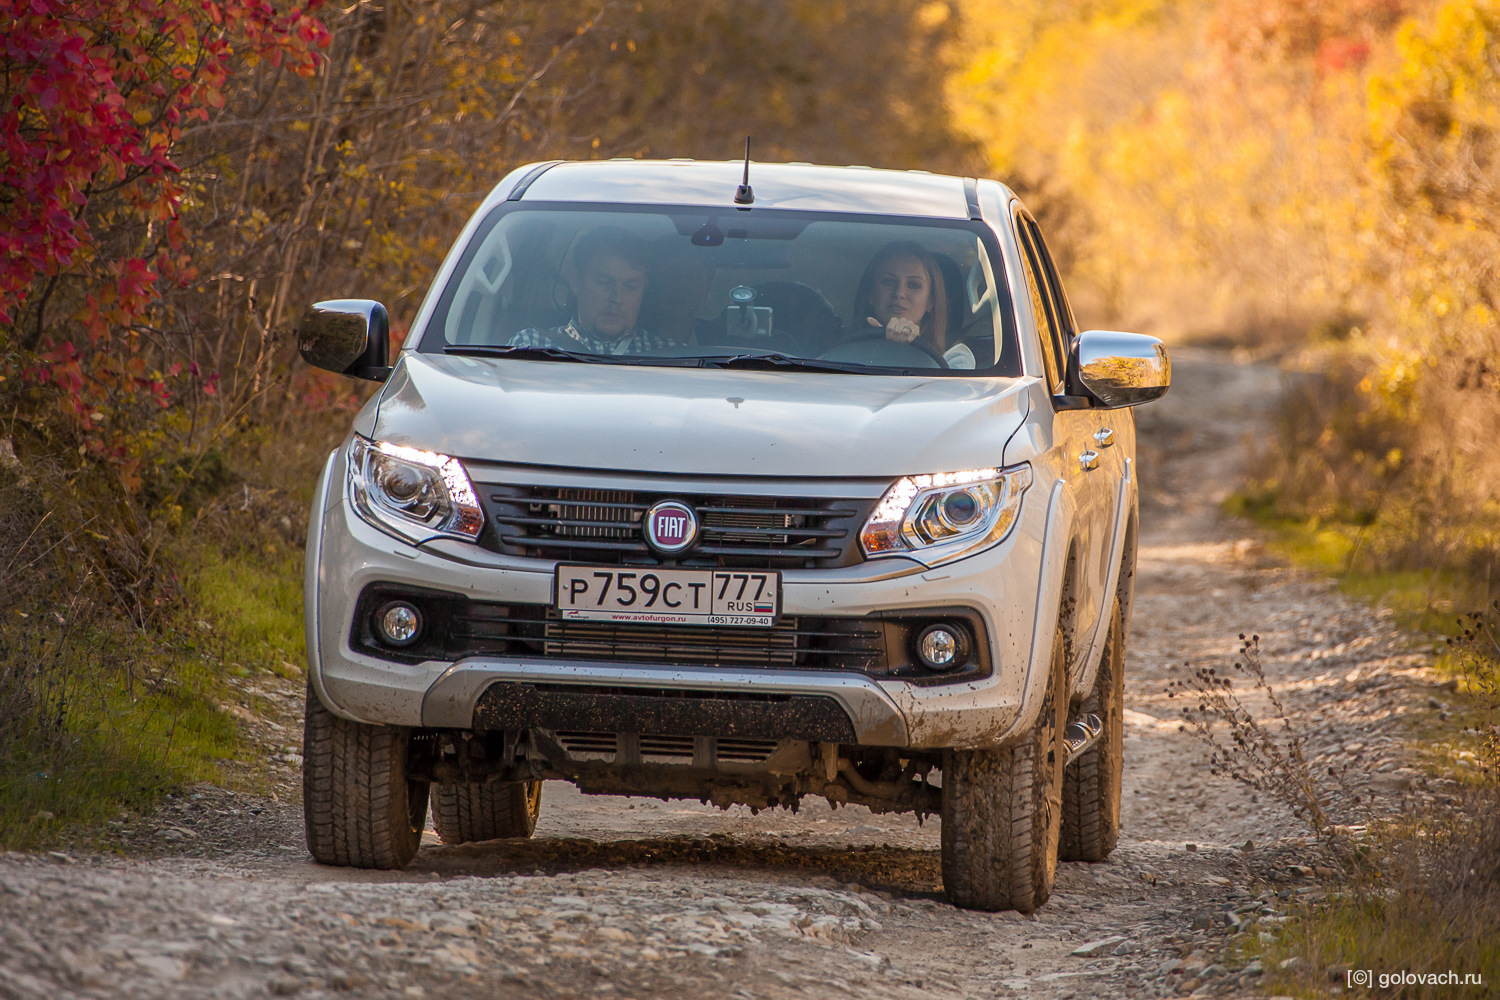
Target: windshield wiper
x=529 y=353
x=770 y=361
x=777 y=362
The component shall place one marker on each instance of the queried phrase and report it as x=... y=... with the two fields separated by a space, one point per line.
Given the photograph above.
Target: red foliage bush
x=94 y=97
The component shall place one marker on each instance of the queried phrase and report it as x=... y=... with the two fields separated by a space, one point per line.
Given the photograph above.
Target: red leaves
x=314 y=32
x=1338 y=55
x=97 y=90
x=93 y=96
x=135 y=285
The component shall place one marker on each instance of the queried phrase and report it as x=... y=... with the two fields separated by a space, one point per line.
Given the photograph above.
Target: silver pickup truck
x=734 y=482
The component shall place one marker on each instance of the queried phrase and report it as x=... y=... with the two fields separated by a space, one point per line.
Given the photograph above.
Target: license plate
x=668 y=596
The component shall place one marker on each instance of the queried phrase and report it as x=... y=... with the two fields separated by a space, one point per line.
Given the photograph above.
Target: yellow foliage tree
x=1286 y=175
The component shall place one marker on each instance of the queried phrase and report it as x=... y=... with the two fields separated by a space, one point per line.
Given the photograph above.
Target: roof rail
x=971 y=194
x=531 y=175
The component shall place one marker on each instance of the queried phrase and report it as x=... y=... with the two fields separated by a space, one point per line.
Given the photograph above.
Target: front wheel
x=1001 y=810
x=358 y=806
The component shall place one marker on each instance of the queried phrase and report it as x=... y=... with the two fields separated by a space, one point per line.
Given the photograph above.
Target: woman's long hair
x=935 y=324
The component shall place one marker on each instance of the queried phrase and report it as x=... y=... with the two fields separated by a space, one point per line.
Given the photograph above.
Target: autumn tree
x=1304 y=178
x=96 y=99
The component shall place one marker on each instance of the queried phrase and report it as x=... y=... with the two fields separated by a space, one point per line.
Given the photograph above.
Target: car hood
x=697 y=421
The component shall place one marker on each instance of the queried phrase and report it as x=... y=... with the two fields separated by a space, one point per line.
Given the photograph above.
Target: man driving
x=608 y=279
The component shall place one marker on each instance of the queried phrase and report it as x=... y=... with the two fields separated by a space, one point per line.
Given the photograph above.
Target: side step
x=1081 y=734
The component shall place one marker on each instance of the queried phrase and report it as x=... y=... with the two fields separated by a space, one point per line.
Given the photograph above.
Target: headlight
x=939 y=518
x=412 y=493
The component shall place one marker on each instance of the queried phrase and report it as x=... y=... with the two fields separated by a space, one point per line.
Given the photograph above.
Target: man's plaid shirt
x=571 y=338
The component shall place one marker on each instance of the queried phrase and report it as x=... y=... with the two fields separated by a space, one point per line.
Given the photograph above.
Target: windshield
x=797 y=291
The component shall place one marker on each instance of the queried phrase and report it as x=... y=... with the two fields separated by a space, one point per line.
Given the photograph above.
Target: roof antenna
x=743 y=195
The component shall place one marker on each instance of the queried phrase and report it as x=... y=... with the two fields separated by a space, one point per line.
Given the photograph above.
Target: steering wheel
x=889 y=353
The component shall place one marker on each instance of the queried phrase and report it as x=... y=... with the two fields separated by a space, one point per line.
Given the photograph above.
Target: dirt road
x=632 y=898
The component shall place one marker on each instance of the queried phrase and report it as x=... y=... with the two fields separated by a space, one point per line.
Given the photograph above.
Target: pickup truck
x=734 y=482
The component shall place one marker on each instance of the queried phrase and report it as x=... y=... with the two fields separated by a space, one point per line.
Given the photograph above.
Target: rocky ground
x=215 y=897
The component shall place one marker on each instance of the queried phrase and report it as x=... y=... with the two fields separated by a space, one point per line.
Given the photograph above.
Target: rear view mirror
x=1121 y=369
x=348 y=336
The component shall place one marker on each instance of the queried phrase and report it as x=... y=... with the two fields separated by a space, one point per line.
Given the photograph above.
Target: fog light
x=943 y=647
x=398 y=624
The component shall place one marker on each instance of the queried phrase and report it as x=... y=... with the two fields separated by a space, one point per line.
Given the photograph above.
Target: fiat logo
x=670 y=527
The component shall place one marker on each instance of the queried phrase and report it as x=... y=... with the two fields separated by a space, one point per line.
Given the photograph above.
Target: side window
x=1042 y=306
x=1064 y=313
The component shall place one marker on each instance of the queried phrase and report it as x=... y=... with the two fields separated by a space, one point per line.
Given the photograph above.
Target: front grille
x=794 y=642
x=745 y=751
x=590 y=746
x=603 y=527
x=658 y=749
x=669 y=746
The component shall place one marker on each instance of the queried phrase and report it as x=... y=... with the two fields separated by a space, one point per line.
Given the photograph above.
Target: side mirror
x=348 y=336
x=1121 y=369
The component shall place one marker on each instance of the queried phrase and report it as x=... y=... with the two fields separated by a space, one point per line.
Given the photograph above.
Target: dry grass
x=1383 y=486
x=1417 y=890
x=1272 y=759
x=111 y=679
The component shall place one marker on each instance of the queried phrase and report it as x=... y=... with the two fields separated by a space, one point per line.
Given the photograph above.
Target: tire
x=462 y=813
x=1091 y=784
x=358 y=807
x=1001 y=812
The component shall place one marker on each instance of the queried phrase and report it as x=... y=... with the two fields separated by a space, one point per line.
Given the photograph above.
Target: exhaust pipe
x=1081 y=734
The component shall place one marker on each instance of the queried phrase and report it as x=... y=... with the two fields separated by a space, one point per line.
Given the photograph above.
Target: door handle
x=1088 y=461
x=1105 y=436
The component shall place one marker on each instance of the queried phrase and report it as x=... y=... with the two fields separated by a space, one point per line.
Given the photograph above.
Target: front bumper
x=345 y=555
